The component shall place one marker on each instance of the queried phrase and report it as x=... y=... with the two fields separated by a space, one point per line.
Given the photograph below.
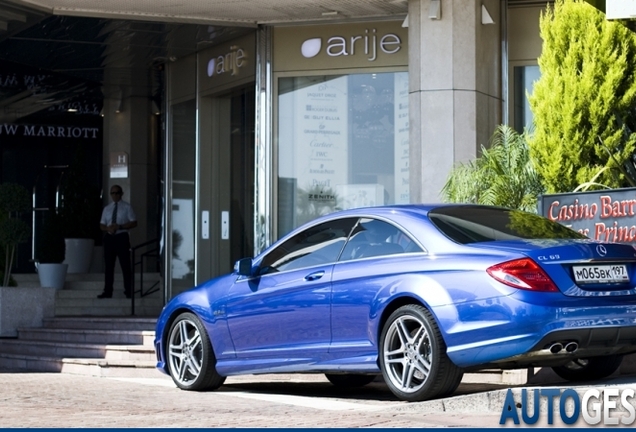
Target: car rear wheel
x=589 y=369
x=452 y=382
x=413 y=356
x=191 y=359
x=350 y=380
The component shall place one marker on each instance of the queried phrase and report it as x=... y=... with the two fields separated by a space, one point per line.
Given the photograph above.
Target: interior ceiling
x=228 y=12
x=60 y=54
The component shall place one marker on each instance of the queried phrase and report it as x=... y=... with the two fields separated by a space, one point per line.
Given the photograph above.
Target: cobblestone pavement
x=283 y=401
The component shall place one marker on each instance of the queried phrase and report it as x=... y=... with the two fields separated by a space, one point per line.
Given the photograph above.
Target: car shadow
x=371 y=392
x=313 y=387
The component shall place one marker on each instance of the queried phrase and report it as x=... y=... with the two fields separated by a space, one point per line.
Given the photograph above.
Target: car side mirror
x=244 y=267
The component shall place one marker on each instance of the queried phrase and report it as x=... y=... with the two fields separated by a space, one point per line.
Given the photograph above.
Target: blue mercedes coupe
x=417 y=293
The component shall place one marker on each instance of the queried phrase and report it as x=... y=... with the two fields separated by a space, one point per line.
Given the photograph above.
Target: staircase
x=79 y=296
x=87 y=335
x=96 y=346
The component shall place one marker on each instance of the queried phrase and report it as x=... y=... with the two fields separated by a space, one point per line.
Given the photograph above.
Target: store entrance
x=226 y=181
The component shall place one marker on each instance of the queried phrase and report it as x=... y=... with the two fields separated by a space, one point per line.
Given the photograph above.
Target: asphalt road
x=282 y=401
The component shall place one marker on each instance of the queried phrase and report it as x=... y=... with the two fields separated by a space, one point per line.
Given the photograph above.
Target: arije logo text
x=370 y=43
x=230 y=62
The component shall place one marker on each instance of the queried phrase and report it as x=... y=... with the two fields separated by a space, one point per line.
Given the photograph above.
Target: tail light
x=523 y=274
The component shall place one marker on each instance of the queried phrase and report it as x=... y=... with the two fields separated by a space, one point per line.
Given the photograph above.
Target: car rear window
x=473 y=224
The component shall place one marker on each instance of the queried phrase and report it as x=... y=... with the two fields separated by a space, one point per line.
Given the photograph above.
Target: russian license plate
x=614 y=273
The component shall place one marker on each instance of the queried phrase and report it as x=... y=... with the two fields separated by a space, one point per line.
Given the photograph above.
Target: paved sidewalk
x=284 y=401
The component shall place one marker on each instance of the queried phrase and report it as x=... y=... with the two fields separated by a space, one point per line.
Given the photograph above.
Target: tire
x=593 y=368
x=189 y=354
x=452 y=383
x=350 y=380
x=413 y=356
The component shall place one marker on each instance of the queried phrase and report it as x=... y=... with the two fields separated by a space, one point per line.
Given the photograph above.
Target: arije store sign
x=229 y=63
x=370 y=43
x=340 y=46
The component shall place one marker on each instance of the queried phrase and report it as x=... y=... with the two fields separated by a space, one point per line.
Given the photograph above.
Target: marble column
x=454 y=88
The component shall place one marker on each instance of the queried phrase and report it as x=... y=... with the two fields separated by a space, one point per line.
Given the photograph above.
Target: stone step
x=106 y=337
x=76 y=296
x=101 y=323
x=112 y=368
x=72 y=286
x=91 y=281
x=30 y=363
x=75 y=350
x=106 y=310
x=130 y=352
x=499 y=376
x=82 y=366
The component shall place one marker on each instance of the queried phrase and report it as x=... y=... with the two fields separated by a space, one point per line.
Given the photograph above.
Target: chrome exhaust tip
x=571 y=347
x=556 y=348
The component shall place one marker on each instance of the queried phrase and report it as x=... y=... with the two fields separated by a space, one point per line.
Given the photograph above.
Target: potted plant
x=80 y=214
x=50 y=253
x=14 y=200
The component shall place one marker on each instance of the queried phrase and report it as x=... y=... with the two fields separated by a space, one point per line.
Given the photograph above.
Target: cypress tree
x=584 y=103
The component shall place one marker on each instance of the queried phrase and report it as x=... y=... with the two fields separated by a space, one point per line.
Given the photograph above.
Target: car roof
x=402 y=214
x=404 y=209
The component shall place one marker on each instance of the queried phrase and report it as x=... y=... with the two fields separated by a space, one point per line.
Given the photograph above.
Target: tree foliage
x=503 y=175
x=583 y=104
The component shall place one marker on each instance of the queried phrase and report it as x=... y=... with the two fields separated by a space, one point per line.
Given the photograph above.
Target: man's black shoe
x=105 y=295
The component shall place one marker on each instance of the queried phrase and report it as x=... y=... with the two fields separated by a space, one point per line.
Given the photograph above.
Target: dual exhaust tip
x=563 y=348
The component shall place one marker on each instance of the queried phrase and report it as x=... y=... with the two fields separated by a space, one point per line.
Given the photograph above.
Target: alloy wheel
x=407 y=354
x=185 y=352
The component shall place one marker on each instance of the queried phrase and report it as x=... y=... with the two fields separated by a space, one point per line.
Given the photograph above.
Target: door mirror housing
x=244 y=267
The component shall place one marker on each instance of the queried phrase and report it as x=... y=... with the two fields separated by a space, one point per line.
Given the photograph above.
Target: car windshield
x=473 y=224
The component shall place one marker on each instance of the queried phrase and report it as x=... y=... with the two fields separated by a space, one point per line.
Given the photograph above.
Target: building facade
x=278 y=122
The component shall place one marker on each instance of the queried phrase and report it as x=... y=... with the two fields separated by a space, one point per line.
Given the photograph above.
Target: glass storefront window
x=342 y=143
x=183 y=194
x=524 y=79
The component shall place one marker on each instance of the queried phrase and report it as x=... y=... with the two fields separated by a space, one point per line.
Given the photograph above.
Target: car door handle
x=315 y=276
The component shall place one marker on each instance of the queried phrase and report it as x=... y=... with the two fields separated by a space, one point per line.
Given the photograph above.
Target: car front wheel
x=413 y=356
x=191 y=359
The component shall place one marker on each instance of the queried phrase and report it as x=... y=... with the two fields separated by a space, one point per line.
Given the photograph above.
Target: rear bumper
x=589 y=342
x=527 y=325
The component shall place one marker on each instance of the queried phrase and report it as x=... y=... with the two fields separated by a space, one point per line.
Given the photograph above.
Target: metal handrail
x=150 y=253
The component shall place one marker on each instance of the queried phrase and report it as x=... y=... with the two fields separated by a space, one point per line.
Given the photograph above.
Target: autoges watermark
x=610 y=406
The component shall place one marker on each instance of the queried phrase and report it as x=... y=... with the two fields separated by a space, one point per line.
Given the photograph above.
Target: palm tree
x=502 y=176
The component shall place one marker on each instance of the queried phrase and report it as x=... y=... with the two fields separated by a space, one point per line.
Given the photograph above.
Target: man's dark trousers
x=117 y=246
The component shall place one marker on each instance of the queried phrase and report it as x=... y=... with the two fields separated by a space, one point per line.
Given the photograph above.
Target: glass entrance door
x=182 y=224
x=242 y=174
x=226 y=183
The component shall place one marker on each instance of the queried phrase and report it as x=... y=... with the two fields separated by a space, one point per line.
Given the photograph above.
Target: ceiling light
x=71 y=110
x=330 y=13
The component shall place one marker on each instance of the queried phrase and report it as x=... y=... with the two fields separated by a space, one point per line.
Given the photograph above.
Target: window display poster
x=313 y=147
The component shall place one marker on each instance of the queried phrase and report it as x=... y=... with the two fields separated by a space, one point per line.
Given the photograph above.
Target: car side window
x=320 y=244
x=373 y=237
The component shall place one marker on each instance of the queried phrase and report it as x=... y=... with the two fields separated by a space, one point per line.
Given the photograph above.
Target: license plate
x=615 y=273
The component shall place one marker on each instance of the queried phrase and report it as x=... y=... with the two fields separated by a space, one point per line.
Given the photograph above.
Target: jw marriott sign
x=44 y=131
